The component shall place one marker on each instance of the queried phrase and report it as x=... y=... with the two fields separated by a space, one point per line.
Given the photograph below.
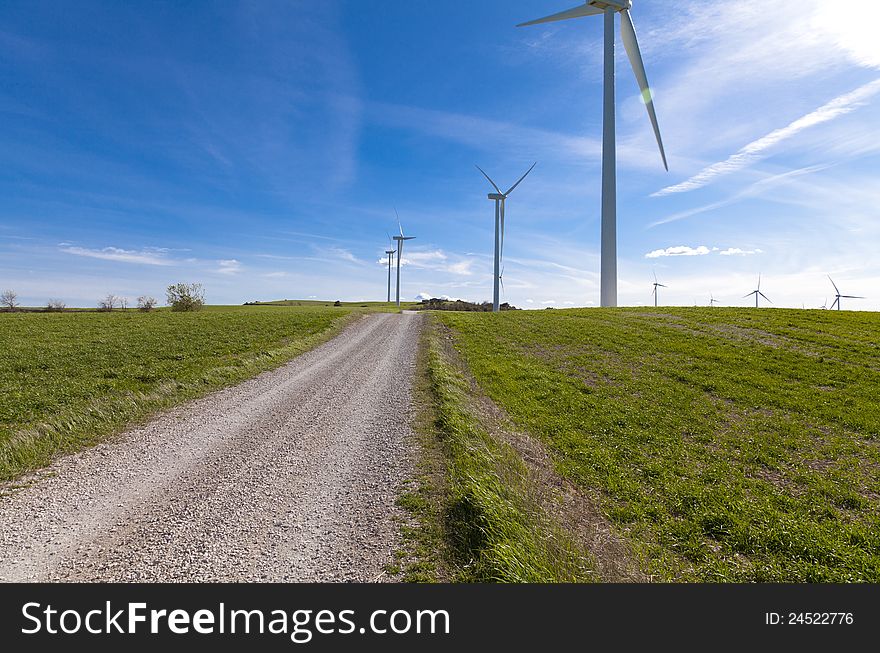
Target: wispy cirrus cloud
x=736 y=251
x=149 y=256
x=758 y=189
x=756 y=150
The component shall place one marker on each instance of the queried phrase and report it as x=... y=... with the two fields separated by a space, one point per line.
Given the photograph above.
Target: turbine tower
x=390 y=253
x=608 y=292
x=400 y=240
x=499 y=199
x=838 y=296
x=657 y=284
x=757 y=293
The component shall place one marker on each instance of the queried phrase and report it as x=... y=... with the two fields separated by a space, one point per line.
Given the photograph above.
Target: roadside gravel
x=290 y=476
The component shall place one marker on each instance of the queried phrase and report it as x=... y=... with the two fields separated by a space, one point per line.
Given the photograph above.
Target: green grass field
x=70 y=379
x=724 y=444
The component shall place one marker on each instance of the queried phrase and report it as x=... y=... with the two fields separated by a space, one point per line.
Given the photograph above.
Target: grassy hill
x=719 y=444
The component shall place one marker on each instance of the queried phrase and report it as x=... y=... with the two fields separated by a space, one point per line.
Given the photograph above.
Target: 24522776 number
x=809 y=618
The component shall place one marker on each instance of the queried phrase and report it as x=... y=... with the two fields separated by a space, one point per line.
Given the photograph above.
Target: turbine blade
x=494 y=185
x=852 y=297
x=628 y=33
x=836 y=289
x=765 y=297
x=662 y=286
x=759 y=282
x=577 y=12
x=398 y=222
x=834 y=303
x=520 y=179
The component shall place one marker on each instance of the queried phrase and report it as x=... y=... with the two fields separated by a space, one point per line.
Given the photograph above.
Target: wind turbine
x=608 y=291
x=657 y=284
x=390 y=253
x=838 y=296
x=499 y=199
x=712 y=301
x=758 y=292
x=824 y=305
x=400 y=240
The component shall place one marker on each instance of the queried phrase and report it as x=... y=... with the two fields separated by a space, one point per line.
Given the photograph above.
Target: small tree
x=123 y=303
x=146 y=303
x=55 y=306
x=185 y=296
x=9 y=299
x=108 y=303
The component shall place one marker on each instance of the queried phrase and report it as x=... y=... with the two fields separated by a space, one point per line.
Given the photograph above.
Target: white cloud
x=463 y=267
x=679 y=250
x=755 y=150
x=229 y=266
x=143 y=257
x=736 y=251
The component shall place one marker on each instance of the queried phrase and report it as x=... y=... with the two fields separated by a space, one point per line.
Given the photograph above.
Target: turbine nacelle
x=497 y=196
x=616 y=6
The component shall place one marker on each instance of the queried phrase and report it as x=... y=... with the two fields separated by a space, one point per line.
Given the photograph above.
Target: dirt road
x=291 y=476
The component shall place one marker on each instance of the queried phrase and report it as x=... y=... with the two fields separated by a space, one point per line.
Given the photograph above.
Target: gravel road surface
x=291 y=476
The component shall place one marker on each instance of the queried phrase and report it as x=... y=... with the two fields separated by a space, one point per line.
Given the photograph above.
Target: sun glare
x=856 y=30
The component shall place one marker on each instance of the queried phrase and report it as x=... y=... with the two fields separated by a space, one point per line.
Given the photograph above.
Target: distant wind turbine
x=657 y=284
x=824 y=305
x=500 y=199
x=712 y=300
x=757 y=293
x=390 y=253
x=400 y=239
x=608 y=281
x=838 y=296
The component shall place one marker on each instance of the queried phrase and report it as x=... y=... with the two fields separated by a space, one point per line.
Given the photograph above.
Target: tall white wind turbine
x=500 y=199
x=608 y=292
x=390 y=253
x=400 y=240
x=657 y=284
x=838 y=296
x=757 y=293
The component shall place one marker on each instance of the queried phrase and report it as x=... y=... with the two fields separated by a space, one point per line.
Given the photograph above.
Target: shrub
x=185 y=296
x=146 y=303
x=55 y=306
x=9 y=299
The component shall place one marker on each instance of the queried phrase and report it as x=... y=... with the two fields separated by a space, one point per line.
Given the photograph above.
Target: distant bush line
x=435 y=304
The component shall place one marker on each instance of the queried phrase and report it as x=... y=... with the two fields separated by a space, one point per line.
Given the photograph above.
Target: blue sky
x=261 y=148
